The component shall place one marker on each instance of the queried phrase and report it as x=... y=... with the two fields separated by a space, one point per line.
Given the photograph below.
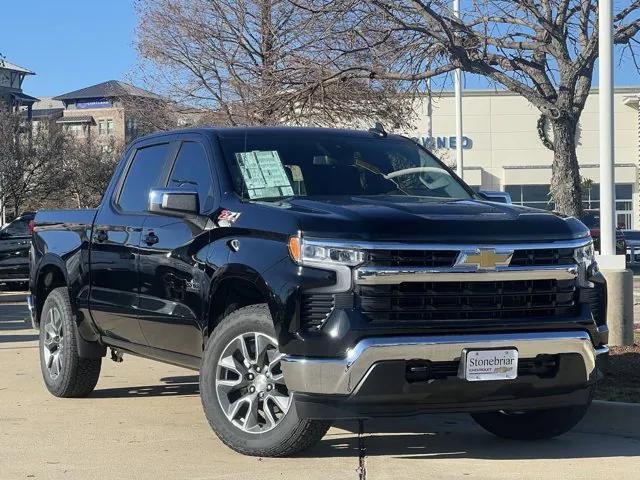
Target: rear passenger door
x=171 y=277
x=115 y=242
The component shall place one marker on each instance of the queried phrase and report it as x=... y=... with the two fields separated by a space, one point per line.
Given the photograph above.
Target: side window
x=144 y=173
x=17 y=228
x=193 y=172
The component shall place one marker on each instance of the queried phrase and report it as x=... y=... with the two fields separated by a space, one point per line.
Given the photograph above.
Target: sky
x=72 y=44
x=69 y=44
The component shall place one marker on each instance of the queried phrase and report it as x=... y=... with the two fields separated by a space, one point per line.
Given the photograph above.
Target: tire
x=65 y=374
x=532 y=425
x=283 y=435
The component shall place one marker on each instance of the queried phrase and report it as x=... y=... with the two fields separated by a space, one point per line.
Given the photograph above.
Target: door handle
x=101 y=236
x=151 y=239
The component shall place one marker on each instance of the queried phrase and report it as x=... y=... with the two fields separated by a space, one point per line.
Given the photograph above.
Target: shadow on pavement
x=181 y=385
x=12 y=324
x=429 y=436
x=17 y=338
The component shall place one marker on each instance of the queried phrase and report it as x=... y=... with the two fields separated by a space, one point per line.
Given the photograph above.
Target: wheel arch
x=51 y=274
x=237 y=287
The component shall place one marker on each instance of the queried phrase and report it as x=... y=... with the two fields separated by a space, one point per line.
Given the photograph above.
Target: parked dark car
x=312 y=275
x=591 y=218
x=15 y=241
x=632 y=239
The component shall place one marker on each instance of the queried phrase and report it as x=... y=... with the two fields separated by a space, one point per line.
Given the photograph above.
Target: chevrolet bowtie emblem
x=484 y=258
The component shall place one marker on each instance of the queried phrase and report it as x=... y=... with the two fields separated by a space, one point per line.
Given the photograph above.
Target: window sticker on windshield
x=264 y=174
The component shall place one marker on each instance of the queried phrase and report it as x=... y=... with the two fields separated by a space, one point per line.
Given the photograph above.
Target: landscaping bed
x=621 y=382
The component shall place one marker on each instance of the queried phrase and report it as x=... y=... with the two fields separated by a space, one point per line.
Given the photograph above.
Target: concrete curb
x=612 y=418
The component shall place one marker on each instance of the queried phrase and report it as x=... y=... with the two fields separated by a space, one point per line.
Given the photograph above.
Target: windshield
x=309 y=164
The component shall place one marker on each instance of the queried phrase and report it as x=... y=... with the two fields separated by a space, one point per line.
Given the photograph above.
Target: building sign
x=94 y=104
x=441 y=142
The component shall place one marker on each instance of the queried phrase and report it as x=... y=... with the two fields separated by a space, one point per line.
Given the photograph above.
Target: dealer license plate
x=482 y=365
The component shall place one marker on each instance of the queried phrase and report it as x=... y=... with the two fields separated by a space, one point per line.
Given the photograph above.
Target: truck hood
x=399 y=218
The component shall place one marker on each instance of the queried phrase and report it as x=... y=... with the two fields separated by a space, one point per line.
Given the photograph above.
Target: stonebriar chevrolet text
x=312 y=275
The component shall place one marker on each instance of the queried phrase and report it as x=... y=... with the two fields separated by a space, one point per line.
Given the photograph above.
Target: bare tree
x=243 y=62
x=88 y=165
x=544 y=50
x=30 y=159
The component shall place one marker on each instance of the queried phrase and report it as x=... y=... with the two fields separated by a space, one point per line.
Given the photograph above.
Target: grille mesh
x=425 y=301
x=413 y=258
x=551 y=256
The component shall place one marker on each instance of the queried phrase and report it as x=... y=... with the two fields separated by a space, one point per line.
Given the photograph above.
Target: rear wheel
x=532 y=425
x=65 y=374
x=244 y=394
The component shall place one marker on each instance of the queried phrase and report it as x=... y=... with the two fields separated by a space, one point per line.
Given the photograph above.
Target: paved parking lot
x=144 y=421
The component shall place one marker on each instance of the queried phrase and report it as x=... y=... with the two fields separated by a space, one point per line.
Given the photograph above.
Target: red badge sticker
x=227 y=218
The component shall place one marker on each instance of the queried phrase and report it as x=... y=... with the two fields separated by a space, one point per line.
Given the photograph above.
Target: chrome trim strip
x=343 y=376
x=394 y=276
x=364 y=245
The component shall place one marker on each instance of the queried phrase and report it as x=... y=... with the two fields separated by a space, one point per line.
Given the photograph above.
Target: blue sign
x=93 y=104
x=433 y=143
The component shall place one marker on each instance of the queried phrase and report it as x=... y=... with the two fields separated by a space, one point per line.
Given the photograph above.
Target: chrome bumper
x=344 y=376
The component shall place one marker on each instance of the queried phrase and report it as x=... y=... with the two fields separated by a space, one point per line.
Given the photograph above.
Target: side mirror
x=174 y=202
x=498 y=197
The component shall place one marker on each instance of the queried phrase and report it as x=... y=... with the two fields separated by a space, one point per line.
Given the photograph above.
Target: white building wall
x=504 y=145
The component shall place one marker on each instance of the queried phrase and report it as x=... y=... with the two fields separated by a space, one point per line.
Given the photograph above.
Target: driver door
x=171 y=279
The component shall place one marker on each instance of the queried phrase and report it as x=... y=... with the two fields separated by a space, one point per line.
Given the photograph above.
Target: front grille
x=315 y=309
x=548 y=256
x=413 y=258
x=467 y=300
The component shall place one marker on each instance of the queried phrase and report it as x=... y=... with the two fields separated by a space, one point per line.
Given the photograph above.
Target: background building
x=502 y=150
x=11 y=94
x=102 y=110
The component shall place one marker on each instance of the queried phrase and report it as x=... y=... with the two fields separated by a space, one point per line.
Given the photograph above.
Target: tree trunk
x=566 y=188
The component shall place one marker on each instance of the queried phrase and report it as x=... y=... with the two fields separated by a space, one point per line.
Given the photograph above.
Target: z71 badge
x=227 y=218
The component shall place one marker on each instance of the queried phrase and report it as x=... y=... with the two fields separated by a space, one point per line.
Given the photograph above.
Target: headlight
x=314 y=252
x=585 y=255
x=586 y=259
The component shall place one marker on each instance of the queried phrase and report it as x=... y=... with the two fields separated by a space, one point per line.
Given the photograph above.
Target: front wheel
x=531 y=425
x=243 y=391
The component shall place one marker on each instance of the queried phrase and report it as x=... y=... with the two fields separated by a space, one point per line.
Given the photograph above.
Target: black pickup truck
x=314 y=274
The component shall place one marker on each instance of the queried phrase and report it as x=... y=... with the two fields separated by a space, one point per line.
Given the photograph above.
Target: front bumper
x=371 y=380
x=343 y=376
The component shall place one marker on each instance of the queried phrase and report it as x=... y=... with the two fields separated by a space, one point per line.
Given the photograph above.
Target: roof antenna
x=378 y=129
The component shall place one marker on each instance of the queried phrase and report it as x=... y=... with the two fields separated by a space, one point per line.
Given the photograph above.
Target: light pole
x=458 y=94
x=613 y=267
x=605 y=98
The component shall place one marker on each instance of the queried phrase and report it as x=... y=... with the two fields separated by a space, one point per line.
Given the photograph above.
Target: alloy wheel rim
x=250 y=383
x=53 y=348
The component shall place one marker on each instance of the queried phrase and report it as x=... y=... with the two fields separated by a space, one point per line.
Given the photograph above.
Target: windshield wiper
x=376 y=171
